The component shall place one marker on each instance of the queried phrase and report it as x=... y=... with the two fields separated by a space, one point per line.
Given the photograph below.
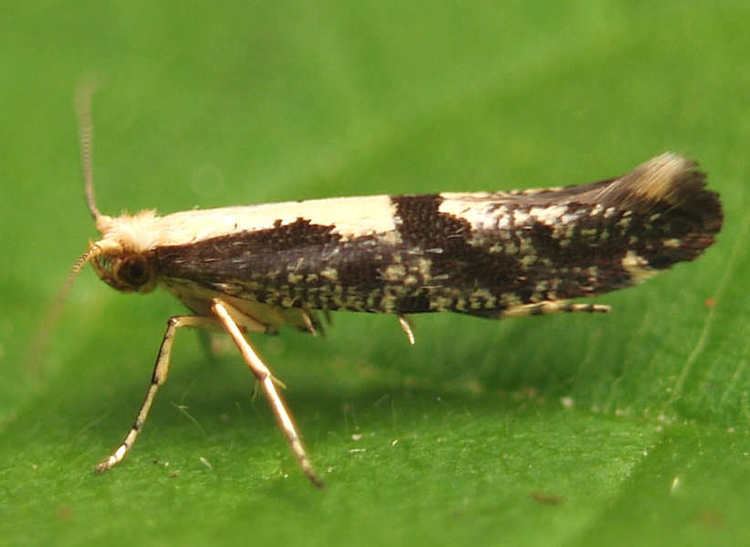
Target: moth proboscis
x=254 y=269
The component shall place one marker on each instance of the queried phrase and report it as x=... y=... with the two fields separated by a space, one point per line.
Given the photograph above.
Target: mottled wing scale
x=484 y=254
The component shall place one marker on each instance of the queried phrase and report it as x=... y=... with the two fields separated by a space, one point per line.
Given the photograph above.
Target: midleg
x=226 y=314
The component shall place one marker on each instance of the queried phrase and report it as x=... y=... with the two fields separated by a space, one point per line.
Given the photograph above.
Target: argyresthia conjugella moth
x=253 y=269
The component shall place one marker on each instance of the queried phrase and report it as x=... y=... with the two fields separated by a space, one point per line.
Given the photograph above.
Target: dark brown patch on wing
x=233 y=255
x=445 y=239
x=295 y=265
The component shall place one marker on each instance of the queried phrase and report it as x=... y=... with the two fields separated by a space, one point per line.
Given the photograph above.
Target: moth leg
x=312 y=324
x=224 y=313
x=553 y=306
x=403 y=321
x=158 y=377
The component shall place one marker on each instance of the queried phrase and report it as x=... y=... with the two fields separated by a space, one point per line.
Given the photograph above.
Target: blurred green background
x=626 y=429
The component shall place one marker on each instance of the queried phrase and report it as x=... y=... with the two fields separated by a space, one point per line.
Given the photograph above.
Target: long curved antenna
x=41 y=339
x=84 y=93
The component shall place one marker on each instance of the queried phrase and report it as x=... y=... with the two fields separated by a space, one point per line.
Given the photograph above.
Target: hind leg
x=547 y=307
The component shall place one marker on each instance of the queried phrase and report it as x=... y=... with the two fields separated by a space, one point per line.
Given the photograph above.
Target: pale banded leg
x=311 y=323
x=212 y=348
x=159 y=376
x=553 y=306
x=225 y=314
x=403 y=321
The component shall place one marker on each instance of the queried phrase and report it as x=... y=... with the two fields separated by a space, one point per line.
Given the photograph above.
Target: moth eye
x=134 y=271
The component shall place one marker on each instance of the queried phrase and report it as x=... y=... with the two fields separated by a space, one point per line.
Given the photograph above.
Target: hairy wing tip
x=669 y=177
x=673 y=180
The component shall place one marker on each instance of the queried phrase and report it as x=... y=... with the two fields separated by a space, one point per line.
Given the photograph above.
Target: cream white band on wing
x=350 y=217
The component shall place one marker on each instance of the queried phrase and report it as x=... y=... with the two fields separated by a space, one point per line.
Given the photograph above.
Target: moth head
x=123 y=269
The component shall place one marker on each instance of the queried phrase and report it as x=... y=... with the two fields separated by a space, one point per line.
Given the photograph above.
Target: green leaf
x=625 y=429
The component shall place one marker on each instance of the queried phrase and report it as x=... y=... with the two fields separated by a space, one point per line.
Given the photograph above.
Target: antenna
x=84 y=94
x=40 y=341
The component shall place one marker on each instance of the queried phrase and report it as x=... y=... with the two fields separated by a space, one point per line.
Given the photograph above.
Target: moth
x=257 y=268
